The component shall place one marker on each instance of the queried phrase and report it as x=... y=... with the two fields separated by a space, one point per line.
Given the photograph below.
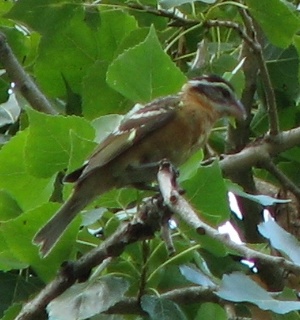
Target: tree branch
x=22 y=80
x=266 y=81
x=146 y=223
x=181 y=207
x=177 y=20
x=282 y=178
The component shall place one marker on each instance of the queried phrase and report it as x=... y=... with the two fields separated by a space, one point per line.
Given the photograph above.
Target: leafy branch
x=22 y=80
x=147 y=221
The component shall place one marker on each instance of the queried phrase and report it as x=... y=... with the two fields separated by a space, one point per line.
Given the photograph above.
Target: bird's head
x=216 y=95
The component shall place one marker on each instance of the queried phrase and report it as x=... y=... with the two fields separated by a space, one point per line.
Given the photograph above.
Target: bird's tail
x=52 y=231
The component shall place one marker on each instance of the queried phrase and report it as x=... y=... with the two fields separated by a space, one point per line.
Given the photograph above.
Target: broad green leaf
x=9 y=262
x=270 y=15
x=25 y=227
x=283 y=67
x=207 y=192
x=43 y=16
x=134 y=38
x=210 y=310
x=191 y=166
x=12 y=312
x=26 y=189
x=80 y=150
x=83 y=300
x=196 y=276
x=98 y=97
x=281 y=239
x=92 y=17
x=78 y=50
x=9 y=208
x=144 y=72
x=238 y=287
x=49 y=144
x=17 y=40
x=159 y=308
x=116 y=25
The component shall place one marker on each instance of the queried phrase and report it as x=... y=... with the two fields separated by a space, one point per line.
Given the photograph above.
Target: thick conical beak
x=238 y=110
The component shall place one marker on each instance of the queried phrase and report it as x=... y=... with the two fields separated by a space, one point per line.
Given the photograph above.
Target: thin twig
x=177 y=20
x=282 y=178
x=22 y=80
x=266 y=81
x=236 y=27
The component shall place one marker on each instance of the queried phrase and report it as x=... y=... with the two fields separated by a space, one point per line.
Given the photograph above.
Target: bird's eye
x=225 y=93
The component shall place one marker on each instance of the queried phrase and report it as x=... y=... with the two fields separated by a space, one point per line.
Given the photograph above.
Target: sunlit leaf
x=262 y=199
x=281 y=239
x=196 y=276
x=238 y=287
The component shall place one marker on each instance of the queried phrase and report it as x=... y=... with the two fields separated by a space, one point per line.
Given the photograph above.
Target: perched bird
x=171 y=127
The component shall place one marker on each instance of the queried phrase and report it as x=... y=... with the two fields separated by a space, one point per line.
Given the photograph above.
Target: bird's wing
x=132 y=129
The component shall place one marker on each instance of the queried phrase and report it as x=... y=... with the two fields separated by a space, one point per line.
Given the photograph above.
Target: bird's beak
x=238 y=110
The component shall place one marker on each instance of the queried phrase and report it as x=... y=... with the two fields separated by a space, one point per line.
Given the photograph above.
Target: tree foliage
x=68 y=69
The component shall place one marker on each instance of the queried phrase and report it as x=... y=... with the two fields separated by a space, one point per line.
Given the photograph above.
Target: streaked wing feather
x=118 y=142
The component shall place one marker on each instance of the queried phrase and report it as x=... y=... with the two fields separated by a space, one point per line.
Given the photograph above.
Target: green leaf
x=191 y=166
x=81 y=149
x=159 y=308
x=43 y=16
x=83 y=300
x=196 y=276
x=210 y=310
x=144 y=72
x=207 y=192
x=237 y=287
x=95 y=103
x=281 y=239
x=12 y=312
x=26 y=189
x=49 y=144
x=115 y=26
x=283 y=67
x=21 y=246
x=77 y=47
x=270 y=15
x=9 y=208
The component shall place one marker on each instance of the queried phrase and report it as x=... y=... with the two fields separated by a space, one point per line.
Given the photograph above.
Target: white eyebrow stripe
x=208 y=83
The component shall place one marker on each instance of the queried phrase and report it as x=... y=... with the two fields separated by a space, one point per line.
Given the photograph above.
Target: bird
x=171 y=127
